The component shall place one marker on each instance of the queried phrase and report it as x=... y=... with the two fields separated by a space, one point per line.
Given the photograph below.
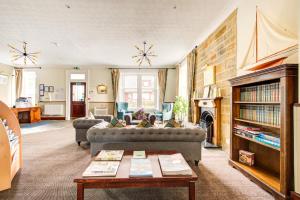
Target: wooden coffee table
x=122 y=179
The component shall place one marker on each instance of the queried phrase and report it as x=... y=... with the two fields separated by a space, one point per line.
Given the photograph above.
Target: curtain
x=177 y=80
x=162 y=80
x=191 y=67
x=115 y=75
x=19 y=78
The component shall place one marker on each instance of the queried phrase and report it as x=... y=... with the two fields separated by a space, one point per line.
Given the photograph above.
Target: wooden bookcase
x=273 y=168
x=10 y=160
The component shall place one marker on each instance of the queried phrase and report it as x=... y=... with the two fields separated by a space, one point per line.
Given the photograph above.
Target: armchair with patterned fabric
x=122 y=109
x=166 y=113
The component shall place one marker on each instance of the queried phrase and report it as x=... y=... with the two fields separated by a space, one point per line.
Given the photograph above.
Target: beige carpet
x=52 y=159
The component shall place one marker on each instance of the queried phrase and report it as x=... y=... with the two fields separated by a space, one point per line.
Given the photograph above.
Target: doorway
x=78 y=98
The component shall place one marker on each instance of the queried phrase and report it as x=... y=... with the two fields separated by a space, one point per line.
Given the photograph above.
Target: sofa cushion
x=144 y=124
x=115 y=123
x=172 y=124
x=129 y=134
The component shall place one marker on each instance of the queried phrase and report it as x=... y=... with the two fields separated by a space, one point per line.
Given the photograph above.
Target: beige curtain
x=19 y=78
x=115 y=75
x=162 y=80
x=177 y=79
x=191 y=65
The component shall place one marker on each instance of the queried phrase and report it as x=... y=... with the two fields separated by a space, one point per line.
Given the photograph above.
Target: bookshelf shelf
x=263 y=175
x=252 y=140
x=267 y=95
x=257 y=123
x=260 y=103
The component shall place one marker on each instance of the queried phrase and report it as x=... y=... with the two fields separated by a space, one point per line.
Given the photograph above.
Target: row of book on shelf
x=261 y=93
x=269 y=114
x=107 y=162
x=257 y=134
x=12 y=137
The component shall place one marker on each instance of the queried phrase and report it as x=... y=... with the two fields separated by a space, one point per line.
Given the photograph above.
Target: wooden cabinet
x=28 y=115
x=273 y=169
x=10 y=158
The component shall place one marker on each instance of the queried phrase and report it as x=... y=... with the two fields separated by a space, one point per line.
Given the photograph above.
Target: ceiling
x=103 y=33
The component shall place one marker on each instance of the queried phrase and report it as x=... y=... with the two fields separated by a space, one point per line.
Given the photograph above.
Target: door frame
x=71 y=97
x=68 y=90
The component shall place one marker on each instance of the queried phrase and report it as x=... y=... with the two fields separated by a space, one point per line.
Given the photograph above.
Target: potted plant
x=180 y=108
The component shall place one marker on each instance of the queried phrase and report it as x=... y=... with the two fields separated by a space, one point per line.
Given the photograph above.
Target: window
x=29 y=85
x=77 y=76
x=182 y=88
x=139 y=90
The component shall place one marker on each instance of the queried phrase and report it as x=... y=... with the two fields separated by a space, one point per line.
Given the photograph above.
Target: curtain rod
x=140 y=68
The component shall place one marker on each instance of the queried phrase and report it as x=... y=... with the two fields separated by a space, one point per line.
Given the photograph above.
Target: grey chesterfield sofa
x=81 y=126
x=184 y=140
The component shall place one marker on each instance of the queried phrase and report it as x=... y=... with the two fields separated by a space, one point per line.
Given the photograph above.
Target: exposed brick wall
x=219 y=49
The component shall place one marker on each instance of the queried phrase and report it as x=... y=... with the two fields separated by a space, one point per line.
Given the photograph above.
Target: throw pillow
x=91 y=116
x=116 y=123
x=139 y=115
x=172 y=124
x=144 y=124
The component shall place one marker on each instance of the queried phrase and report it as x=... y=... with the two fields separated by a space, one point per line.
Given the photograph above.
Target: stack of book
x=269 y=114
x=106 y=163
x=261 y=93
x=174 y=165
x=258 y=135
x=140 y=167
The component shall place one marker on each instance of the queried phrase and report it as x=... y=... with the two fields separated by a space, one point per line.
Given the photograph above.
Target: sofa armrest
x=85 y=123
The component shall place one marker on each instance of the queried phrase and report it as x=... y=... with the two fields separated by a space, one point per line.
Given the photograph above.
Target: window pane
x=78 y=93
x=130 y=81
x=148 y=81
x=131 y=96
x=28 y=85
x=77 y=76
x=148 y=99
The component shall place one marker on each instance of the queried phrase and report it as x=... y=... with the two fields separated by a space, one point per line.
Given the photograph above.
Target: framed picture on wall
x=46 y=88
x=51 y=88
x=42 y=93
x=206 y=92
x=101 y=89
x=41 y=87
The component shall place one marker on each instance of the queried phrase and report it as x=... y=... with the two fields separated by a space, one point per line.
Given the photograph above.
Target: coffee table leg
x=80 y=191
x=192 y=191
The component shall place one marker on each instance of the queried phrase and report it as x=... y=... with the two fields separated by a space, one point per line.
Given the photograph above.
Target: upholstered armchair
x=166 y=113
x=122 y=109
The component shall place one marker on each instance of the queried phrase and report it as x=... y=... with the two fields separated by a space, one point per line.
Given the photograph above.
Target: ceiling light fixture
x=144 y=54
x=19 y=54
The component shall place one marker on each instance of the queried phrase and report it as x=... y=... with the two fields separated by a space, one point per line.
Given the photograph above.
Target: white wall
x=171 y=86
x=281 y=12
x=7 y=94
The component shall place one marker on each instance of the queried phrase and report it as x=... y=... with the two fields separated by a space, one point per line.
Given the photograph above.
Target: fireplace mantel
x=213 y=104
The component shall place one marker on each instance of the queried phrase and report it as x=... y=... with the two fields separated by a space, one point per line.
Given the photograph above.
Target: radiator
x=100 y=111
x=297 y=147
x=51 y=109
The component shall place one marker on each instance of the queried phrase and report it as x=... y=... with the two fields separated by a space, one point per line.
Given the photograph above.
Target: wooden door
x=78 y=96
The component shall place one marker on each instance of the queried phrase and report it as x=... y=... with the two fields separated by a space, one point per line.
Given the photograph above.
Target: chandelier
x=144 y=54
x=23 y=54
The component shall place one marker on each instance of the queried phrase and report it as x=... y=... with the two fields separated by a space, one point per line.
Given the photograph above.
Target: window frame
x=139 y=88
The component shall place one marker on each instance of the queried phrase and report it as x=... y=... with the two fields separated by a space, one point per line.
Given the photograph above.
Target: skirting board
x=53 y=118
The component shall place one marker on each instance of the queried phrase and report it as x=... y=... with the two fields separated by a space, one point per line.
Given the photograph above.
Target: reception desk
x=28 y=115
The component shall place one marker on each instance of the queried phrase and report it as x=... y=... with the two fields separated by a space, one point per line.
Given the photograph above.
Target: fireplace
x=208 y=116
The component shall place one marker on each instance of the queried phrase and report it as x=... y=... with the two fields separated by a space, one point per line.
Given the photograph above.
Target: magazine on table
x=110 y=155
x=175 y=164
x=102 y=168
x=140 y=168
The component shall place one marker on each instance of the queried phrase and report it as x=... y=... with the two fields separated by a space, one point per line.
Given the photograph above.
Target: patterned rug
x=52 y=159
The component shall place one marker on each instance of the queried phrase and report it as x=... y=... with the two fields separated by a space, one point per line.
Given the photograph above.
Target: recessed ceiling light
x=174 y=7
x=55 y=44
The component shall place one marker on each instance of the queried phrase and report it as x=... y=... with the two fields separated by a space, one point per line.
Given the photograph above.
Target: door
x=78 y=94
